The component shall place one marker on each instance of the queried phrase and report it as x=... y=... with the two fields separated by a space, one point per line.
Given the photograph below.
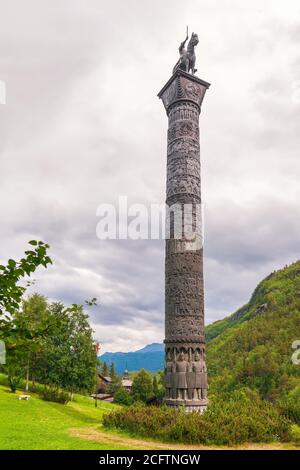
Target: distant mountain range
x=151 y=357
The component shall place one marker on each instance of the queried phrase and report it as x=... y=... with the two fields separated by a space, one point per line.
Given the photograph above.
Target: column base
x=198 y=406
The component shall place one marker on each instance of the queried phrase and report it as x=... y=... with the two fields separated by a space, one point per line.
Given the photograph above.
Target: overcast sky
x=83 y=125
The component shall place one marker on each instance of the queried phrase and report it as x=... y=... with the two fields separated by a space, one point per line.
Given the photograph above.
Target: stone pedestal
x=186 y=374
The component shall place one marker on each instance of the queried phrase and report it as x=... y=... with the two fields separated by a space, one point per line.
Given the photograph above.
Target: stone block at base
x=198 y=406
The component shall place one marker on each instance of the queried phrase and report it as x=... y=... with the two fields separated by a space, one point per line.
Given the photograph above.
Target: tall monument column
x=186 y=373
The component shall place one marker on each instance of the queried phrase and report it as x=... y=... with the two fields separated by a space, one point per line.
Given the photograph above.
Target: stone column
x=182 y=97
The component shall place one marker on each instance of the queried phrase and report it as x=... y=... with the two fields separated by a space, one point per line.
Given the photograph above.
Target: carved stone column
x=186 y=384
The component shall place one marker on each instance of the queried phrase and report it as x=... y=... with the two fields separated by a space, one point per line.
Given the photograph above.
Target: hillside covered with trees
x=253 y=347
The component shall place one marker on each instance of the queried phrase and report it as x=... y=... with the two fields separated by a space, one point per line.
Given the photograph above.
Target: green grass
x=37 y=424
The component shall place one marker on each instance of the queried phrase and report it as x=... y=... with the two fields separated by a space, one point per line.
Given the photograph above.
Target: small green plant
x=55 y=394
x=142 y=388
x=295 y=434
x=289 y=406
x=122 y=397
x=14 y=382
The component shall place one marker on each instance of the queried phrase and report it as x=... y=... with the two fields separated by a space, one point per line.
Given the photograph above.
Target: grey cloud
x=83 y=125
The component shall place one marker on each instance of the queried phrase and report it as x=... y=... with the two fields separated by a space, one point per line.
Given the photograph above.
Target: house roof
x=106 y=379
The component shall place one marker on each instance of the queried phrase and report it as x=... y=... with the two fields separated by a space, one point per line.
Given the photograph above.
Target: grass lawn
x=37 y=424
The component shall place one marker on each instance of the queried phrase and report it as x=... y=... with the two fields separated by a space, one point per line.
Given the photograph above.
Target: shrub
x=295 y=434
x=14 y=382
x=36 y=388
x=122 y=397
x=242 y=417
x=289 y=406
x=55 y=394
x=142 y=388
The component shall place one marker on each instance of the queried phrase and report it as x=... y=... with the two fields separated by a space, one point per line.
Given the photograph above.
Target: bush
x=295 y=434
x=242 y=417
x=55 y=394
x=14 y=382
x=142 y=388
x=122 y=397
x=290 y=405
x=36 y=388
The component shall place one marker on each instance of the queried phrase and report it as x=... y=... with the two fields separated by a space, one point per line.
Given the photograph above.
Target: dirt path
x=96 y=435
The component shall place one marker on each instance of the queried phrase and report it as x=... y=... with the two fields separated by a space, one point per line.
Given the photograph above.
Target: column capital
x=183 y=86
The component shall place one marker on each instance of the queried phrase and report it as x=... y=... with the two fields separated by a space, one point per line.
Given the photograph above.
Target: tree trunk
x=27 y=377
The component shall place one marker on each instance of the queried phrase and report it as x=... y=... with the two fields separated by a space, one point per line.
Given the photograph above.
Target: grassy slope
x=36 y=424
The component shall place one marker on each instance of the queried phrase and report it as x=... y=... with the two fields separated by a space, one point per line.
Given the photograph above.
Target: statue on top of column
x=187 y=58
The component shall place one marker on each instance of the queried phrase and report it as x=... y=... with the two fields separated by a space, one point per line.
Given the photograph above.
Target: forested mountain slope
x=253 y=347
